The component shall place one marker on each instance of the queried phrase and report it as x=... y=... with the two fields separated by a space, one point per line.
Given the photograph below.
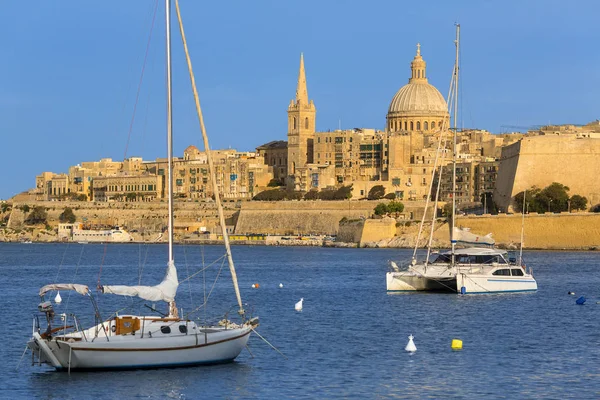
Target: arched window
x=294 y=122
x=412 y=127
x=418 y=73
x=305 y=123
x=405 y=125
x=418 y=125
x=432 y=124
x=425 y=126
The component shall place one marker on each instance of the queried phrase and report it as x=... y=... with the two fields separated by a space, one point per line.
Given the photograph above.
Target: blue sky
x=70 y=71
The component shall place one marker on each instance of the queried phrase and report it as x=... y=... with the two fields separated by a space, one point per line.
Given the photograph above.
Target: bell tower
x=301 y=125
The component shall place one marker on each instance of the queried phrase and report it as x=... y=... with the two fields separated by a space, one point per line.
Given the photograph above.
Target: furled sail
x=165 y=290
x=466 y=237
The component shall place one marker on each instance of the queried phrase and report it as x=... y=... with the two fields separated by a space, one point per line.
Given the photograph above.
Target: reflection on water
x=348 y=342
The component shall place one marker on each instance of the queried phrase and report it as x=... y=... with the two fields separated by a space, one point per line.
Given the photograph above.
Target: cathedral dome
x=417 y=106
x=417 y=98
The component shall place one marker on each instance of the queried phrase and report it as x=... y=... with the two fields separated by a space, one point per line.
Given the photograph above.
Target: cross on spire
x=418 y=49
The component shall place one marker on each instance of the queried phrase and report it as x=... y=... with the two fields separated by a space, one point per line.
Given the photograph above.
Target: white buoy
x=410 y=346
x=58 y=299
x=298 y=306
x=572 y=293
x=281 y=285
x=254 y=286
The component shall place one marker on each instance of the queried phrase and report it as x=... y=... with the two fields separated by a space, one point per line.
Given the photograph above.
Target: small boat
x=471 y=270
x=475 y=270
x=141 y=341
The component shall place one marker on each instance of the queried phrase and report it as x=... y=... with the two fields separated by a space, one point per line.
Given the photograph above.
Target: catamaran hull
x=477 y=284
x=409 y=282
x=134 y=353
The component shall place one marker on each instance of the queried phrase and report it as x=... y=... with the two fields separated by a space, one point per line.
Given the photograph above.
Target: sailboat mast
x=169 y=128
x=454 y=147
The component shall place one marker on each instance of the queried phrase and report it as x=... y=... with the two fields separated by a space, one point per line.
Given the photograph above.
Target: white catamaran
x=137 y=341
x=479 y=269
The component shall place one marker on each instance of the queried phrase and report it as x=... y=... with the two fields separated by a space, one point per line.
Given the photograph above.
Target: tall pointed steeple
x=301 y=91
x=301 y=125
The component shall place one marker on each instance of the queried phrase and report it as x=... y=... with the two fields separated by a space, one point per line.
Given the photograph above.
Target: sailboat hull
x=211 y=346
x=478 y=284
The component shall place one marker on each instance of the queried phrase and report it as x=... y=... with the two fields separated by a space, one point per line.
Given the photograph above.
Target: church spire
x=301 y=91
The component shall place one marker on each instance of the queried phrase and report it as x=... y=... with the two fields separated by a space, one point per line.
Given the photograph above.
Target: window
x=165 y=329
x=418 y=125
x=502 y=272
x=516 y=272
x=182 y=328
x=425 y=127
x=306 y=123
x=432 y=125
x=411 y=126
x=294 y=122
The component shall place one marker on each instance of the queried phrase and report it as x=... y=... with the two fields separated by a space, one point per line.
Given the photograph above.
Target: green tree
x=5 y=207
x=132 y=196
x=37 y=216
x=270 y=195
x=578 y=202
x=395 y=207
x=25 y=208
x=555 y=197
x=391 y=196
x=274 y=183
x=447 y=211
x=67 y=216
x=343 y=193
x=376 y=192
x=82 y=197
x=381 y=209
x=311 y=195
x=595 y=208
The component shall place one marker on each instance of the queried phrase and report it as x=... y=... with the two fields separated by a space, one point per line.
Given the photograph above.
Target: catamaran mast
x=172 y=306
x=454 y=147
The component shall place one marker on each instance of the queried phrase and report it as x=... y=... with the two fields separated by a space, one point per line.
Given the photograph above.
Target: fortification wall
x=375 y=230
x=576 y=231
x=317 y=217
x=541 y=160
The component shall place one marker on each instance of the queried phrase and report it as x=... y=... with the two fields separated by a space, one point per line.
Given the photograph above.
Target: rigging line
x=102 y=263
x=137 y=95
x=209 y=293
x=187 y=270
x=61 y=263
x=74 y=277
x=267 y=342
x=203 y=269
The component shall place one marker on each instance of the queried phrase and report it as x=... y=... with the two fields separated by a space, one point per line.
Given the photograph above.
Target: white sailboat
x=138 y=341
x=472 y=270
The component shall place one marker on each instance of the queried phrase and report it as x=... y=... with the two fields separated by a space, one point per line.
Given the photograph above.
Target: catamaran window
x=182 y=328
x=442 y=259
x=516 y=272
x=165 y=329
x=503 y=272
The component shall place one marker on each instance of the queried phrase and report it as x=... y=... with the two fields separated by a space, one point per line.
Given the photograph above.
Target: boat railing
x=69 y=325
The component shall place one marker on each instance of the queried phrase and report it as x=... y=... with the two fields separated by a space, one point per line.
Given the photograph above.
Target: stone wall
x=309 y=217
x=575 y=231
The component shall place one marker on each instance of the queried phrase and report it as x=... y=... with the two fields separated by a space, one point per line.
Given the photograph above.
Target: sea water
x=347 y=342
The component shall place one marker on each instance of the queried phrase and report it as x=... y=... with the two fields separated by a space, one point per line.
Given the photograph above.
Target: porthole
x=182 y=328
x=165 y=329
